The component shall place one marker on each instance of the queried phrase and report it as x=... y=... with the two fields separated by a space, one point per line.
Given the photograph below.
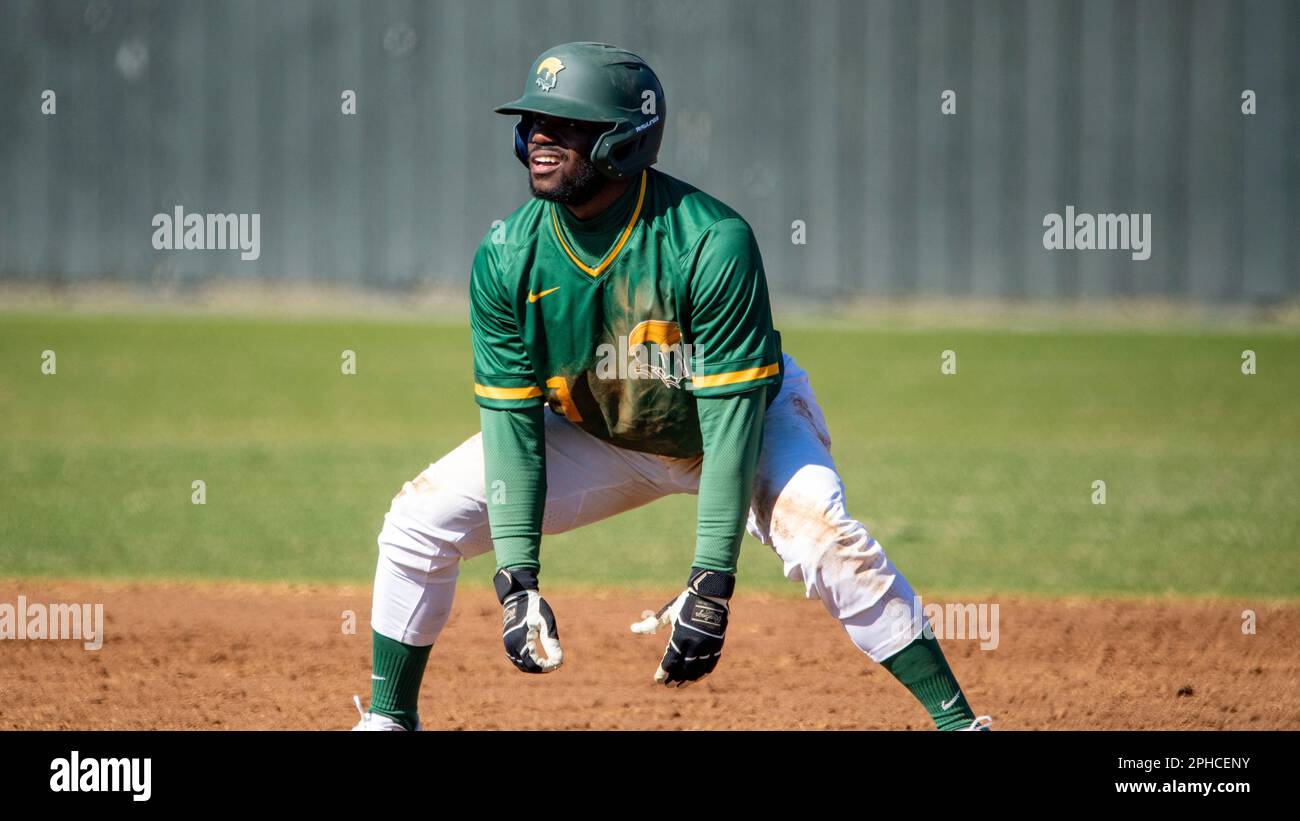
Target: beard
x=575 y=189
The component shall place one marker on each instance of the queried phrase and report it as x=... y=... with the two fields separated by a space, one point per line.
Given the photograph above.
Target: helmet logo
x=546 y=72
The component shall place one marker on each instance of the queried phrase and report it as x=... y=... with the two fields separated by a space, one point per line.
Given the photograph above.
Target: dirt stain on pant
x=801 y=408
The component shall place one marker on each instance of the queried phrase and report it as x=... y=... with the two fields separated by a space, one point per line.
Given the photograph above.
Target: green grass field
x=976 y=482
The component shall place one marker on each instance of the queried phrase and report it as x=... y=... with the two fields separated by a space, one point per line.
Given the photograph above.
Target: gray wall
x=827 y=112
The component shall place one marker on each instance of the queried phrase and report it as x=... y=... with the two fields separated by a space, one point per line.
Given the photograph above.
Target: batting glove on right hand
x=527 y=621
x=699 y=620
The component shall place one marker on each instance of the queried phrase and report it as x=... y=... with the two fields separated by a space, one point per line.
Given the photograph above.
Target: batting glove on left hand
x=699 y=620
x=527 y=621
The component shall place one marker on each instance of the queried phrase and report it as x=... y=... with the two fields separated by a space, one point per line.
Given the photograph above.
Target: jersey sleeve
x=503 y=375
x=514 y=474
x=734 y=347
x=732 y=430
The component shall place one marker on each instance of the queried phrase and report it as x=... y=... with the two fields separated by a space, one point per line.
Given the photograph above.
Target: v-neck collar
x=594 y=225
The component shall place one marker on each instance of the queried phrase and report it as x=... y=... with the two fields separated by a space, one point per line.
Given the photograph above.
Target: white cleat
x=983 y=723
x=377 y=722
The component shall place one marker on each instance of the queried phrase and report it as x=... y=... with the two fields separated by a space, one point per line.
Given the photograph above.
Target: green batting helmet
x=596 y=83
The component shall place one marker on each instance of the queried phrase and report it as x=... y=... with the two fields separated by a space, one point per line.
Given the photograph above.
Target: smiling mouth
x=544 y=162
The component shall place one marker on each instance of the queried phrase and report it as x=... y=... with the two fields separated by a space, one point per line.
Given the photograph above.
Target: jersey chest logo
x=532 y=297
x=653 y=350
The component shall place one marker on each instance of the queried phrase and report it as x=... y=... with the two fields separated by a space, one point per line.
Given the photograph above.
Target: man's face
x=559 y=164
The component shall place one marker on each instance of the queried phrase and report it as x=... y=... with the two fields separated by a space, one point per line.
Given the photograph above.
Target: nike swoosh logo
x=374 y=677
x=943 y=705
x=532 y=297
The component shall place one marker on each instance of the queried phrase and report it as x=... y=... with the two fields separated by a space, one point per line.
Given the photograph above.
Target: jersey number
x=561 y=388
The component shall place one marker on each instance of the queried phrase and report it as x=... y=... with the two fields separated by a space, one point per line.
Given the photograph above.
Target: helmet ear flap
x=615 y=148
x=522 y=128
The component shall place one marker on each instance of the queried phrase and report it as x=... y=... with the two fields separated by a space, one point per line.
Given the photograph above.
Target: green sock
x=923 y=670
x=395 y=681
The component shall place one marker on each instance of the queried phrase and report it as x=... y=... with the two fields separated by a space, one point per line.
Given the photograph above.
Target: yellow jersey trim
x=747 y=375
x=618 y=246
x=489 y=392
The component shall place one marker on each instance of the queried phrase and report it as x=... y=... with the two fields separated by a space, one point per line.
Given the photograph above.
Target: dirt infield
x=261 y=657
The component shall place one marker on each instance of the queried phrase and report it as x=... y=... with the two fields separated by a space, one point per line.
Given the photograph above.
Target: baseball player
x=623 y=351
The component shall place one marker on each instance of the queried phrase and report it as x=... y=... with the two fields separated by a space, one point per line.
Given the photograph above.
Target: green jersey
x=619 y=322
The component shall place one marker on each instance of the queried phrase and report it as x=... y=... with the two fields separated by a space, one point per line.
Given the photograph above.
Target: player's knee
x=414 y=549
x=845 y=553
x=836 y=555
x=435 y=522
x=817 y=529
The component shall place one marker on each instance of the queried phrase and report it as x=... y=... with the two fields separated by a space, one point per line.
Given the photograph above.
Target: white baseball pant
x=440 y=518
